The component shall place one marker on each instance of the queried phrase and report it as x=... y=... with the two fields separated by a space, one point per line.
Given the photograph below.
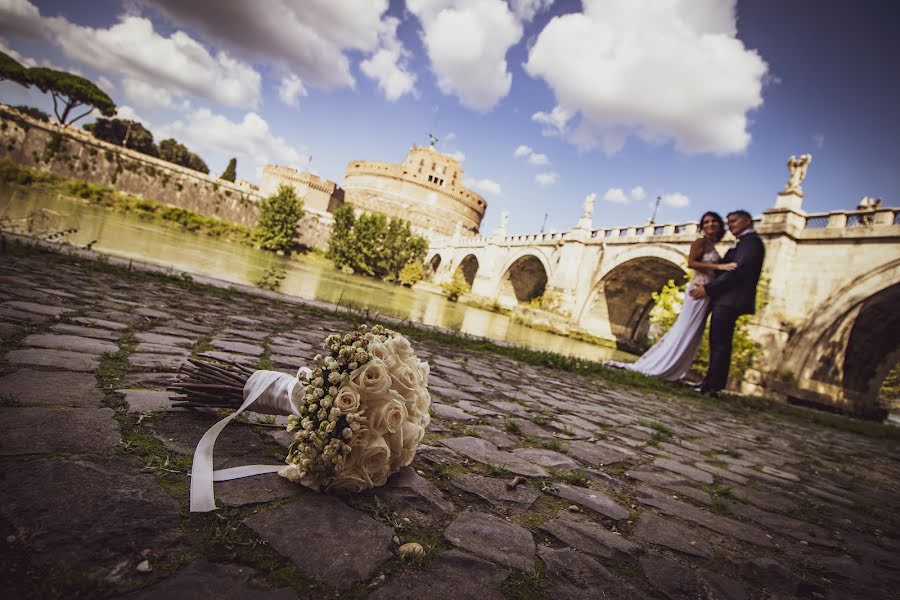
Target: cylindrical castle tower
x=426 y=190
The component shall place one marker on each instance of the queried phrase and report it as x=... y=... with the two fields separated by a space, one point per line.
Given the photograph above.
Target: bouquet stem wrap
x=269 y=392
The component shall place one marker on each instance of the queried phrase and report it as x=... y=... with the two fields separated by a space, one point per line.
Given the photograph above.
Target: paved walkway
x=623 y=494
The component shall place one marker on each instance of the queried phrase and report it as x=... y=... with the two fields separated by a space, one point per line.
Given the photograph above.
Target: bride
x=671 y=356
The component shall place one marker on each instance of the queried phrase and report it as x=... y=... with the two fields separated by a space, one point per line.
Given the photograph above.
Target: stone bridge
x=830 y=327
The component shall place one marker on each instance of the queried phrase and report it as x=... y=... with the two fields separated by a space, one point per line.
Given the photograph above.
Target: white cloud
x=458 y=155
x=620 y=196
x=177 y=63
x=106 y=85
x=617 y=196
x=309 y=37
x=25 y=61
x=250 y=140
x=638 y=193
x=659 y=70
x=538 y=159
x=527 y=9
x=554 y=122
x=20 y=17
x=548 y=178
x=388 y=65
x=467 y=42
x=290 y=88
x=819 y=140
x=487 y=186
x=127 y=113
x=676 y=200
x=534 y=158
x=450 y=137
x=147 y=95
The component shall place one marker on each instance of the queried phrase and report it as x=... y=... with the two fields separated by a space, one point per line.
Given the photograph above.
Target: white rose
x=412 y=435
x=423 y=405
x=383 y=352
x=386 y=413
x=375 y=461
x=401 y=346
x=349 y=483
x=405 y=380
x=424 y=371
x=347 y=399
x=372 y=378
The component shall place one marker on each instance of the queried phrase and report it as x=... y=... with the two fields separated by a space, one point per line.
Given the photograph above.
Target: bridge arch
x=621 y=297
x=524 y=277
x=468 y=266
x=434 y=263
x=845 y=350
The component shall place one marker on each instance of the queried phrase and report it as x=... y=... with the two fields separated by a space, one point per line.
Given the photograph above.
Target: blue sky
x=697 y=101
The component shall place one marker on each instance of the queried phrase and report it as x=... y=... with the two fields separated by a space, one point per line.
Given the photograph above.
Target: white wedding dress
x=671 y=356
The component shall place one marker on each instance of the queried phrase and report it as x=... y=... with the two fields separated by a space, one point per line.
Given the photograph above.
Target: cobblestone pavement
x=624 y=493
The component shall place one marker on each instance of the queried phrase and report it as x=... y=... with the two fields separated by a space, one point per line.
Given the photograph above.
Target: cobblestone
x=672 y=497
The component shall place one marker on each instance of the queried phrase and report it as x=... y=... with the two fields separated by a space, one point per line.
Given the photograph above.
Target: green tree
x=175 y=152
x=71 y=91
x=342 y=242
x=122 y=132
x=744 y=350
x=230 y=171
x=278 y=217
x=373 y=244
x=34 y=113
x=12 y=70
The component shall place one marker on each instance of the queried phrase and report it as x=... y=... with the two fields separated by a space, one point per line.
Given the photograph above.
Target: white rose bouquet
x=358 y=416
x=362 y=412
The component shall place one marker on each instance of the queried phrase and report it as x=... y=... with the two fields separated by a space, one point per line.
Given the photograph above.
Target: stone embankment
x=71 y=152
x=532 y=483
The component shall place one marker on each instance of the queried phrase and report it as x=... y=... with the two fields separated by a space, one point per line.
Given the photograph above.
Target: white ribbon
x=272 y=391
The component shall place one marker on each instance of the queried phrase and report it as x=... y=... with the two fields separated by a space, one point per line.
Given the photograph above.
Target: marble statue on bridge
x=797 y=167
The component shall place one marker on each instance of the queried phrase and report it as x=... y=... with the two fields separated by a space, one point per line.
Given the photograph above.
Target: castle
x=425 y=189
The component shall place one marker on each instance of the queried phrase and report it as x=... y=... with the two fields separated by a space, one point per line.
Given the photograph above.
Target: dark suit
x=732 y=294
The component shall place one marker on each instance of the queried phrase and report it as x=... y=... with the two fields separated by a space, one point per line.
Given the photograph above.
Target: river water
x=130 y=236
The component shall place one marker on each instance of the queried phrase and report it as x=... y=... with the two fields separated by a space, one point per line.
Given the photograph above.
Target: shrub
x=92 y=192
x=457 y=287
x=278 y=217
x=11 y=172
x=411 y=274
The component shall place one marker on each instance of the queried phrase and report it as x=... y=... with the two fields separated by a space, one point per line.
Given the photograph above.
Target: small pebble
x=377 y=581
x=144 y=567
x=396 y=540
x=413 y=549
x=573 y=508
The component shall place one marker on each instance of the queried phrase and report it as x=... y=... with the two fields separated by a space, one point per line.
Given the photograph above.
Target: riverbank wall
x=71 y=152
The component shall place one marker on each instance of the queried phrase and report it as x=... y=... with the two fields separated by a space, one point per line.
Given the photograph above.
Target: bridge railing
x=846 y=219
x=649 y=230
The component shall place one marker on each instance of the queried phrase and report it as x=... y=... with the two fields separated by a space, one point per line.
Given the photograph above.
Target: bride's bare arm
x=695 y=259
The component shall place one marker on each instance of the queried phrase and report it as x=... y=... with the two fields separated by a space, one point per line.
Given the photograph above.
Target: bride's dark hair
x=718 y=219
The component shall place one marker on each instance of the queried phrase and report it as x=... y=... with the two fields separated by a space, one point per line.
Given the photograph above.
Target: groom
x=732 y=294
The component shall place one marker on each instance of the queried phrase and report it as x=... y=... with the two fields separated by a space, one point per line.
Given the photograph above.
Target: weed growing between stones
x=572 y=478
x=525 y=585
x=512 y=427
